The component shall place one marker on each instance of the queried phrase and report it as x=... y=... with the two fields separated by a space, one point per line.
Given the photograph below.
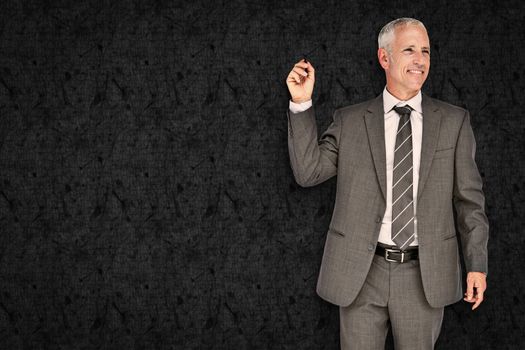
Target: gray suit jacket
x=353 y=148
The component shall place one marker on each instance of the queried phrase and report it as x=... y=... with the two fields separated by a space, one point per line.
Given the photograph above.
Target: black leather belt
x=396 y=255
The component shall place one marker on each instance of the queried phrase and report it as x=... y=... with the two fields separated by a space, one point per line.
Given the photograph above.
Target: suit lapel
x=431 y=124
x=375 y=126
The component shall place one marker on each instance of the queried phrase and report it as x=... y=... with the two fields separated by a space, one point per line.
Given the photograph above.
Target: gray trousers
x=391 y=295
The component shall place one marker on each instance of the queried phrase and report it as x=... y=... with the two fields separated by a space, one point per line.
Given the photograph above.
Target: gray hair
x=386 y=35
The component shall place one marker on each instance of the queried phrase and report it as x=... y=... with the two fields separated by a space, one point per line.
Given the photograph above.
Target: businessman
x=404 y=162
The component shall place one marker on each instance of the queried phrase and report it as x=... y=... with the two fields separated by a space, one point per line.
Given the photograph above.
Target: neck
x=403 y=96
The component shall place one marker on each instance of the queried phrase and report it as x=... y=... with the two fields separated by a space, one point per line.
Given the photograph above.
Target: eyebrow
x=413 y=46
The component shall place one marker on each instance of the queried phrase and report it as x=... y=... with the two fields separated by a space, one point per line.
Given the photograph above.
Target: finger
x=469 y=300
x=470 y=290
x=311 y=71
x=479 y=293
x=483 y=284
x=300 y=71
x=479 y=299
x=294 y=77
x=302 y=64
x=308 y=66
x=479 y=289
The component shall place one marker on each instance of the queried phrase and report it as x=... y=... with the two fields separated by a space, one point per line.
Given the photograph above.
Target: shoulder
x=357 y=110
x=446 y=108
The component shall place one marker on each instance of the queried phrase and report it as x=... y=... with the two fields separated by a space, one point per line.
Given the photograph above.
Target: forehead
x=411 y=35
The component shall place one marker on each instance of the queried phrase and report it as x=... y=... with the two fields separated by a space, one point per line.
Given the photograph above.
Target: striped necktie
x=402 y=182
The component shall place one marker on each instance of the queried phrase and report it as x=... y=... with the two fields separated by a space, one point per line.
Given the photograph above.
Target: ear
x=382 y=56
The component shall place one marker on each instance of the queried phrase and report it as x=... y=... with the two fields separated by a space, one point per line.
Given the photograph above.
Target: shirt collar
x=389 y=101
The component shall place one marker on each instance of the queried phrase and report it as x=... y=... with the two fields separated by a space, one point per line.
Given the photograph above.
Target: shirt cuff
x=300 y=107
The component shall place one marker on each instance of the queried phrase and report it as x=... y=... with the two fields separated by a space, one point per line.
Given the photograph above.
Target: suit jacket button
x=378 y=219
x=370 y=247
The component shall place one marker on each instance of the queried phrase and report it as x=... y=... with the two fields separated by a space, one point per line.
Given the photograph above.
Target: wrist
x=300 y=100
x=484 y=273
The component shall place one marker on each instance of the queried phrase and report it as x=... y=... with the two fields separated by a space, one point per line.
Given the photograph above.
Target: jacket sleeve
x=469 y=202
x=313 y=160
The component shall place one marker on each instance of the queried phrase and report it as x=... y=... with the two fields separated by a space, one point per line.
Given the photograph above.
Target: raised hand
x=301 y=81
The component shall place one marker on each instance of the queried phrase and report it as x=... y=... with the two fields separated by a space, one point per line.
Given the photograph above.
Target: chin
x=417 y=86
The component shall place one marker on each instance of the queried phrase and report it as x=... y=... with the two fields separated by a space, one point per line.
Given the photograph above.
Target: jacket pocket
x=449 y=235
x=336 y=232
x=446 y=152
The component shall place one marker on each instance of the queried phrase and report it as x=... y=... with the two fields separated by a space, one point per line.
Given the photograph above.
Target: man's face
x=407 y=66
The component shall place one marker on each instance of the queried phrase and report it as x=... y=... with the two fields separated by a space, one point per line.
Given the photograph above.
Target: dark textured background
x=146 y=197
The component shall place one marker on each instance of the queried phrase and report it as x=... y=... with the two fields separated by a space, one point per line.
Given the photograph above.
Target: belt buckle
x=387 y=250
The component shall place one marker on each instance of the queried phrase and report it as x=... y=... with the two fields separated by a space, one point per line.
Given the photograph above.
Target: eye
x=409 y=49
x=426 y=52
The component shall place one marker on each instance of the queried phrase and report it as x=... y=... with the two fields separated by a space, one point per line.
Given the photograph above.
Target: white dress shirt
x=391 y=124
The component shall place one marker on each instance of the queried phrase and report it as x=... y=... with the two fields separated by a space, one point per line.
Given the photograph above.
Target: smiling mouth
x=415 y=71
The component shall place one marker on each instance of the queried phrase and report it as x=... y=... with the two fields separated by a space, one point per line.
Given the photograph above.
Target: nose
x=419 y=58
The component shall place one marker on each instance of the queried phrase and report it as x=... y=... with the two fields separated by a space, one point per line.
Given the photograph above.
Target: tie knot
x=405 y=110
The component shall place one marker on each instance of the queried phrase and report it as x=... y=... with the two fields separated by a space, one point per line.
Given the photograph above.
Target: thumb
x=310 y=70
x=470 y=289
